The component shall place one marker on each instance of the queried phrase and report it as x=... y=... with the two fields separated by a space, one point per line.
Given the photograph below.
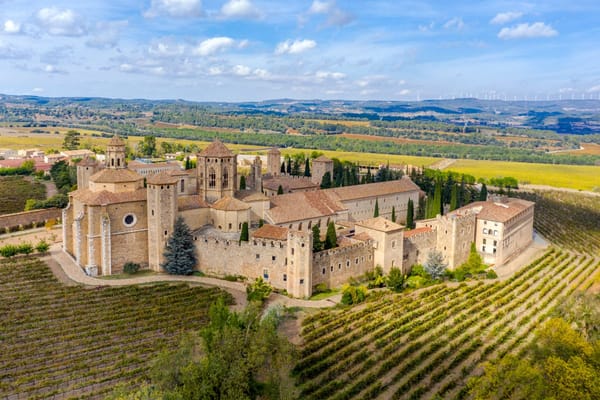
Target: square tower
x=217 y=172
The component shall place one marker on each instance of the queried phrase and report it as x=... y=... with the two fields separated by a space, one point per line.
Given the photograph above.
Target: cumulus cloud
x=165 y=48
x=241 y=70
x=455 y=23
x=213 y=45
x=505 y=17
x=106 y=34
x=175 y=8
x=404 y=92
x=240 y=9
x=11 y=26
x=524 y=31
x=295 y=47
x=59 y=22
x=52 y=69
x=335 y=15
x=323 y=75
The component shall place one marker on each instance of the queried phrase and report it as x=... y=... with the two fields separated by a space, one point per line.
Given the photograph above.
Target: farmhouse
x=114 y=217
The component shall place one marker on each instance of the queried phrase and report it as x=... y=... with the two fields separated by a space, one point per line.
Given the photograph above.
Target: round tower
x=162 y=211
x=115 y=153
x=274 y=162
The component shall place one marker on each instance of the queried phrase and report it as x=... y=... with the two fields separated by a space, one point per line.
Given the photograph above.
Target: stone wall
x=335 y=267
x=416 y=248
x=128 y=243
x=29 y=218
x=364 y=208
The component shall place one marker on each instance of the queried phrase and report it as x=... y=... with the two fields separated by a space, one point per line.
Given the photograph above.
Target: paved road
x=237 y=289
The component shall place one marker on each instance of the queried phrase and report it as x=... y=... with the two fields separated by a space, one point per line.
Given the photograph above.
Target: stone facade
x=320 y=166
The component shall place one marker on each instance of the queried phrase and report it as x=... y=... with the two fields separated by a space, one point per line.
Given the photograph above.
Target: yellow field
x=580 y=177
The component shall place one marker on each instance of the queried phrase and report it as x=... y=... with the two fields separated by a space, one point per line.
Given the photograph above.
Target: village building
x=115 y=217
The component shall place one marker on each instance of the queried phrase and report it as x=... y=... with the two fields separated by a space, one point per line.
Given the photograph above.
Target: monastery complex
x=118 y=215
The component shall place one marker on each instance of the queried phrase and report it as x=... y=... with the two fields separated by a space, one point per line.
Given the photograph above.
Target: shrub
x=25 y=248
x=259 y=290
x=321 y=288
x=395 y=280
x=8 y=251
x=131 y=267
x=42 y=246
x=415 y=282
x=353 y=294
x=491 y=274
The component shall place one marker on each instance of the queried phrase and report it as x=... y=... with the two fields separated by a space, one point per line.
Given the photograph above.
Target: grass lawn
x=580 y=177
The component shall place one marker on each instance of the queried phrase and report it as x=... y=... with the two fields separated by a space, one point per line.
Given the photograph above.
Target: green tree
x=435 y=265
x=330 y=237
x=71 y=140
x=395 y=279
x=306 y=167
x=454 y=201
x=410 y=214
x=376 y=211
x=242 y=182
x=317 y=243
x=180 y=251
x=244 y=235
x=147 y=147
x=483 y=193
x=280 y=190
x=282 y=170
x=353 y=294
x=259 y=290
x=393 y=214
x=261 y=222
x=326 y=180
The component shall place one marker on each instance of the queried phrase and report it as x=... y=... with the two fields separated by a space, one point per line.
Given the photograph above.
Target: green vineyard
x=426 y=345
x=76 y=342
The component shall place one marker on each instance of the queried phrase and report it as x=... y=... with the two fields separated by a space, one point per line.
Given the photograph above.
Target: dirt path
x=531 y=188
x=443 y=164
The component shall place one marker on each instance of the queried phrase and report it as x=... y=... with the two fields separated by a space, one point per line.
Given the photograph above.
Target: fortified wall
x=336 y=266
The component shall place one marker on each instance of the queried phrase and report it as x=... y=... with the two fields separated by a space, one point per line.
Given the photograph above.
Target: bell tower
x=115 y=153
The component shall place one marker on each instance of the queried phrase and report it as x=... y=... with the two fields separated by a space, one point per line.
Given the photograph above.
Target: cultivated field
x=427 y=344
x=580 y=177
x=74 y=342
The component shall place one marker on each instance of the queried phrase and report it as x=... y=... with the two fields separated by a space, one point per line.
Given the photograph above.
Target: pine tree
x=331 y=237
x=242 y=182
x=454 y=198
x=376 y=211
x=180 y=251
x=307 y=168
x=244 y=236
x=410 y=214
x=317 y=243
x=393 y=214
x=483 y=193
x=280 y=190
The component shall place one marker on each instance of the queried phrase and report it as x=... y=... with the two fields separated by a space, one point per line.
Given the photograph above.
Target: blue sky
x=238 y=50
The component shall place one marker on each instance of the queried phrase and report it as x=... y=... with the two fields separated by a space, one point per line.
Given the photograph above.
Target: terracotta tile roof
x=116 y=141
x=274 y=150
x=162 y=178
x=417 y=231
x=380 y=224
x=190 y=203
x=138 y=165
x=111 y=175
x=230 y=204
x=363 y=236
x=105 y=197
x=288 y=183
x=180 y=172
x=498 y=211
x=87 y=162
x=271 y=232
x=216 y=149
x=347 y=193
x=247 y=195
x=303 y=205
x=77 y=153
x=323 y=159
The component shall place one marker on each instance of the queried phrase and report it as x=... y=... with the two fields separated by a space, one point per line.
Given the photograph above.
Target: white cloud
x=213 y=45
x=127 y=68
x=106 y=34
x=240 y=9
x=335 y=15
x=594 y=89
x=566 y=90
x=404 y=92
x=37 y=90
x=215 y=70
x=320 y=7
x=506 y=17
x=295 y=47
x=322 y=75
x=60 y=22
x=455 y=23
x=175 y=8
x=241 y=70
x=11 y=26
x=8 y=51
x=537 y=29
x=52 y=69
x=166 y=49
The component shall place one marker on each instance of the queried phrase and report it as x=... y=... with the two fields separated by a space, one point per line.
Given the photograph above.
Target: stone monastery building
x=115 y=217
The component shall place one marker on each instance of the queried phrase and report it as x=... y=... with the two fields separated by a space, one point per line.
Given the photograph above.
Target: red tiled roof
x=346 y=193
x=303 y=205
x=162 y=178
x=288 y=183
x=379 y=224
x=498 y=211
x=116 y=141
x=416 y=231
x=230 y=204
x=270 y=232
x=118 y=175
x=105 y=197
x=216 y=149
x=190 y=203
x=323 y=159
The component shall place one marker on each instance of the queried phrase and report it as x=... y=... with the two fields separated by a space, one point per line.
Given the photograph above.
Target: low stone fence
x=28 y=219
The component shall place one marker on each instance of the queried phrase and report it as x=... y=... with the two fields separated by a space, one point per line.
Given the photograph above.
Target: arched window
x=225 y=178
x=212 y=178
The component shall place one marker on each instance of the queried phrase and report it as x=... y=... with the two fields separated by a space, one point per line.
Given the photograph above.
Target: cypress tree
x=331 y=237
x=437 y=204
x=180 y=251
x=376 y=211
x=307 y=168
x=244 y=236
x=282 y=168
x=483 y=193
x=280 y=190
x=289 y=166
x=242 y=182
x=422 y=208
x=410 y=214
x=326 y=180
x=454 y=198
x=317 y=244
x=393 y=214
x=261 y=222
